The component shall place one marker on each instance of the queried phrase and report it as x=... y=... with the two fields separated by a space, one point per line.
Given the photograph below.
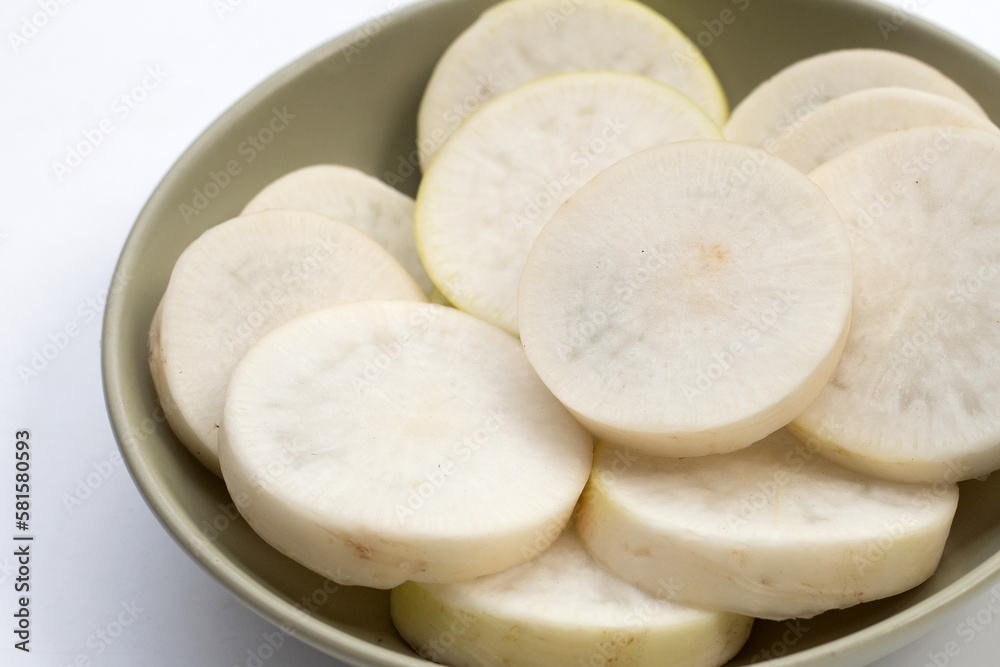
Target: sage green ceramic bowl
x=354 y=101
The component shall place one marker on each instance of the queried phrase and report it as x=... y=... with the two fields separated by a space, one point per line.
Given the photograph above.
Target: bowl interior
x=354 y=102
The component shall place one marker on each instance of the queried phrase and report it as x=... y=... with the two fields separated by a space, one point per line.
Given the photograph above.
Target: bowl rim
x=893 y=632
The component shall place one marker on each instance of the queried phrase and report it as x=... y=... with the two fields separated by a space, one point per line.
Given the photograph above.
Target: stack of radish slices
x=786 y=374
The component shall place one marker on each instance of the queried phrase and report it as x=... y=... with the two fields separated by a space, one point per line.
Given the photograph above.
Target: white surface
x=59 y=240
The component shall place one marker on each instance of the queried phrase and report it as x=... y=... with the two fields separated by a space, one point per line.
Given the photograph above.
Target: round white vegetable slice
x=560 y=609
x=510 y=166
x=851 y=120
x=347 y=194
x=238 y=281
x=917 y=394
x=690 y=299
x=772 y=531
x=384 y=441
x=776 y=107
x=520 y=40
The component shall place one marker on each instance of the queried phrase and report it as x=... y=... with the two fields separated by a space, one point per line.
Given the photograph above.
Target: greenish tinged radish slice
x=916 y=397
x=851 y=120
x=690 y=299
x=776 y=108
x=510 y=166
x=380 y=442
x=238 y=281
x=347 y=194
x=560 y=609
x=773 y=531
x=520 y=40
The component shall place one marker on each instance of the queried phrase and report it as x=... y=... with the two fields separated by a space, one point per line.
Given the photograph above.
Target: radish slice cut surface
x=384 y=441
x=689 y=300
x=917 y=394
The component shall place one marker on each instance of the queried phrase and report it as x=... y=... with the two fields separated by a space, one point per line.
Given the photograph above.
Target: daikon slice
x=776 y=107
x=517 y=41
x=917 y=394
x=773 y=531
x=236 y=282
x=851 y=120
x=560 y=609
x=381 y=441
x=689 y=300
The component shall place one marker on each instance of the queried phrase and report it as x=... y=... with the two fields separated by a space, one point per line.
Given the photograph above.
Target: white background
x=105 y=558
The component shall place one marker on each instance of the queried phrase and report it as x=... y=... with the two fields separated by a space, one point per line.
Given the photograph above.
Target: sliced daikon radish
x=917 y=394
x=777 y=107
x=238 y=281
x=509 y=167
x=520 y=40
x=560 y=609
x=344 y=193
x=384 y=441
x=772 y=531
x=689 y=300
x=851 y=120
